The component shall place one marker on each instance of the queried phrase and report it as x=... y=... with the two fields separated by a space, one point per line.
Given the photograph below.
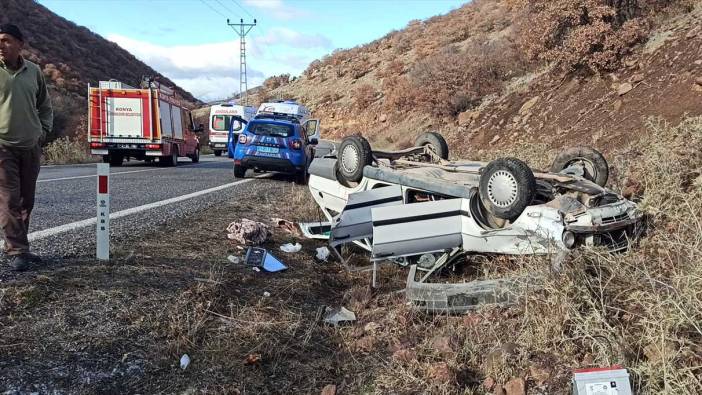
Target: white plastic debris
x=233 y=259
x=256 y=269
x=184 y=361
x=323 y=253
x=267 y=294
x=338 y=315
x=289 y=247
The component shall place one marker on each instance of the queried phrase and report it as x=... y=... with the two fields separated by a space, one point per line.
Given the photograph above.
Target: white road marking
x=134 y=210
x=93 y=175
x=123 y=172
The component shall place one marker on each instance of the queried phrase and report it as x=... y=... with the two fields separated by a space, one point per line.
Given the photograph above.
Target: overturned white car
x=416 y=207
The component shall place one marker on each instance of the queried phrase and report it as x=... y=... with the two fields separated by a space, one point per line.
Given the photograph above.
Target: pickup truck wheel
x=435 y=141
x=196 y=155
x=507 y=187
x=217 y=152
x=588 y=161
x=239 y=171
x=353 y=155
x=116 y=160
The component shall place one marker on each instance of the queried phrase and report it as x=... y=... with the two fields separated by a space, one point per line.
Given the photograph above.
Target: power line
x=225 y=7
x=212 y=8
x=242 y=7
x=243 y=30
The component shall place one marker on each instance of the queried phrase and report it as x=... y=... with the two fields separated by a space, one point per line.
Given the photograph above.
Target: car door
x=231 y=137
x=418 y=228
x=355 y=222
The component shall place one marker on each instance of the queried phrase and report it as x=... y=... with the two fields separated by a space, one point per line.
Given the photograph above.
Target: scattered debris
x=184 y=361
x=252 y=359
x=267 y=294
x=612 y=380
x=248 y=232
x=316 y=230
x=260 y=258
x=257 y=270
x=287 y=226
x=323 y=254
x=329 y=389
x=338 y=315
x=291 y=248
x=233 y=259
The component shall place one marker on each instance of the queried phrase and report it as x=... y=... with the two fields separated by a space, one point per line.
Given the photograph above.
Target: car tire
x=507 y=187
x=116 y=160
x=436 y=141
x=217 y=152
x=594 y=164
x=302 y=178
x=239 y=171
x=354 y=154
x=196 y=155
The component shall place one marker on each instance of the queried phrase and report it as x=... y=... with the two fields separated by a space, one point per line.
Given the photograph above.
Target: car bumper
x=269 y=164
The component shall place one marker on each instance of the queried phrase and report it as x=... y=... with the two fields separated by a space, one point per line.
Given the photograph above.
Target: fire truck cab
x=140 y=123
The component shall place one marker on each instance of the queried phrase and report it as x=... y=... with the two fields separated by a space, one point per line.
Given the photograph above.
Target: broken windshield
x=271 y=129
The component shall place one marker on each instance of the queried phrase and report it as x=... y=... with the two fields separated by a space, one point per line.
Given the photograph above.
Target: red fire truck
x=140 y=123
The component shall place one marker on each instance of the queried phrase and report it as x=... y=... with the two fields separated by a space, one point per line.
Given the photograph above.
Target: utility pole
x=242 y=29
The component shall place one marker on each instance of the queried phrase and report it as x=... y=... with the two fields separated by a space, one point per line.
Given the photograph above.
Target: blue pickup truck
x=275 y=142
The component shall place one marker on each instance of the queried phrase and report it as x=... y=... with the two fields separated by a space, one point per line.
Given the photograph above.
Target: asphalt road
x=143 y=196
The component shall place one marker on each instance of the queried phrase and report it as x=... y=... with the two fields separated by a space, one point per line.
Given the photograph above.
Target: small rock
x=630 y=63
x=329 y=389
x=698 y=80
x=691 y=34
x=489 y=383
x=638 y=77
x=697 y=88
x=624 y=88
x=515 y=386
x=440 y=373
x=467 y=117
x=528 y=105
x=267 y=294
x=495 y=139
x=698 y=62
x=618 y=105
x=383 y=118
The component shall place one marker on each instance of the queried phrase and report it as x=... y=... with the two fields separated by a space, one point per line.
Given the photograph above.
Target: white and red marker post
x=103 y=212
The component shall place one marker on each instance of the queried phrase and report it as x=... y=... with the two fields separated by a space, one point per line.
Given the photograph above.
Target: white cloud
x=211 y=71
x=277 y=9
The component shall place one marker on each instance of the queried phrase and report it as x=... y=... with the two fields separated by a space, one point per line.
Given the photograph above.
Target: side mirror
x=314 y=141
x=199 y=129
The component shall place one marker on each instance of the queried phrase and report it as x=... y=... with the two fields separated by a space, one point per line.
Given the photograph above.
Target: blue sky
x=190 y=42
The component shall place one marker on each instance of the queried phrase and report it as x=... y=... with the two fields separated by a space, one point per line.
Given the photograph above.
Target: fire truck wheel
x=217 y=152
x=196 y=155
x=116 y=160
x=174 y=156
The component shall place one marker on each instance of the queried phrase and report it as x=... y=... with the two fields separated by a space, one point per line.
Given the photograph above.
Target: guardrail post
x=103 y=212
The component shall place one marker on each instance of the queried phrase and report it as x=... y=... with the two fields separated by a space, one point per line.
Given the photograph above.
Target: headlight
x=568 y=239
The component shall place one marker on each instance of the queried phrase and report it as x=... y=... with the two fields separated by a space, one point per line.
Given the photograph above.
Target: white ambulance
x=221 y=120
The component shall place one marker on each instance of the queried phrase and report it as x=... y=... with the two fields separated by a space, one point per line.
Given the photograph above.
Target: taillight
x=153 y=147
x=97 y=145
x=242 y=139
x=296 y=144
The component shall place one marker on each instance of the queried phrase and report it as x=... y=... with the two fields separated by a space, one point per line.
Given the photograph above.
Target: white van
x=220 y=121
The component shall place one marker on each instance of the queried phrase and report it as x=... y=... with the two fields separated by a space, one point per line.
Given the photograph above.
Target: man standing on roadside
x=25 y=119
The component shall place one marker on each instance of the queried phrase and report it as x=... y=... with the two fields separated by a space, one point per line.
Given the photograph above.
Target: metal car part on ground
x=413 y=206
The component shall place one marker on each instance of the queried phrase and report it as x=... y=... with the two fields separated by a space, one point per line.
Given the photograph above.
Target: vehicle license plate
x=267 y=150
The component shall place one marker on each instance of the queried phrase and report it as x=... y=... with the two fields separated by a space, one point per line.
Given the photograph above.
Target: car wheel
x=196 y=155
x=592 y=163
x=507 y=187
x=435 y=141
x=239 y=171
x=302 y=178
x=353 y=155
x=116 y=160
x=217 y=152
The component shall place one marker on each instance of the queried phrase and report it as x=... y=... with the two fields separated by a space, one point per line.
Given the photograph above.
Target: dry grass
x=65 y=150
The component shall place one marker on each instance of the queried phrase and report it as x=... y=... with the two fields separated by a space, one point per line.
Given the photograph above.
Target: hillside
x=503 y=73
x=72 y=56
